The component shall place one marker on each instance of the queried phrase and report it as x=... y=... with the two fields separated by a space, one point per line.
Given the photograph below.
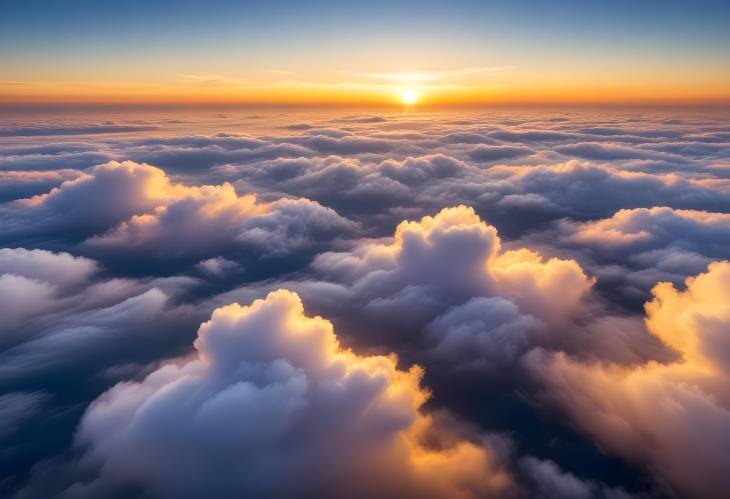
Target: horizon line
x=718 y=104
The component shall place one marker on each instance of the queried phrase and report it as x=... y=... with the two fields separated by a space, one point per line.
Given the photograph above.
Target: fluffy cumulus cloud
x=448 y=274
x=129 y=207
x=507 y=252
x=218 y=266
x=212 y=219
x=583 y=189
x=288 y=225
x=78 y=208
x=482 y=334
x=642 y=228
x=380 y=190
x=269 y=394
x=635 y=248
x=674 y=418
x=446 y=292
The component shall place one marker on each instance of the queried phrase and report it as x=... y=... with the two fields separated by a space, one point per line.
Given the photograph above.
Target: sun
x=409 y=96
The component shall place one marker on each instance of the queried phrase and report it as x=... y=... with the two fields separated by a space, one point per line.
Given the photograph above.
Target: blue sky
x=153 y=42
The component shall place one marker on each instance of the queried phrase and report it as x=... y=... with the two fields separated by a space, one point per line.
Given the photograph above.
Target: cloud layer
x=559 y=278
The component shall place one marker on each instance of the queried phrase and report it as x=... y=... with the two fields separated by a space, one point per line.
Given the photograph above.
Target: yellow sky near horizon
x=456 y=86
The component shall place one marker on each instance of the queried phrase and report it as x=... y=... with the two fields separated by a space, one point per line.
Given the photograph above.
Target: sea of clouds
x=503 y=304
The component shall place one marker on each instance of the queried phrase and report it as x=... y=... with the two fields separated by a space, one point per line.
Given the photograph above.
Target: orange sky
x=339 y=53
x=488 y=86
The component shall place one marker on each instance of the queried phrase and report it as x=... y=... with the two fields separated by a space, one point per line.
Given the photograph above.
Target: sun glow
x=409 y=96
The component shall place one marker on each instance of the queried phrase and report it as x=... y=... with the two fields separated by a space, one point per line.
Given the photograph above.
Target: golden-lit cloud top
x=672 y=417
x=272 y=393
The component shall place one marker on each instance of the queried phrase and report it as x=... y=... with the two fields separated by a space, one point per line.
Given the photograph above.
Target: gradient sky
x=455 y=52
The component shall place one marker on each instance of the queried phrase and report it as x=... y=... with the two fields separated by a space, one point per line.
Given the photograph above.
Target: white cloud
x=271 y=393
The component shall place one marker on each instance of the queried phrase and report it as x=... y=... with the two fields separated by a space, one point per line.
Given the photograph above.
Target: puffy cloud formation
x=483 y=333
x=112 y=192
x=453 y=264
x=200 y=221
x=642 y=246
x=640 y=228
x=581 y=190
x=445 y=291
x=137 y=208
x=289 y=225
x=364 y=167
x=218 y=266
x=674 y=418
x=111 y=264
x=271 y=394
x=558 y=189
x=209 y=219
